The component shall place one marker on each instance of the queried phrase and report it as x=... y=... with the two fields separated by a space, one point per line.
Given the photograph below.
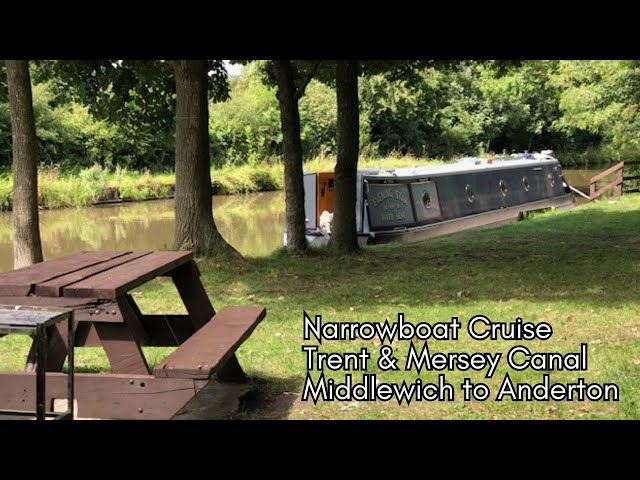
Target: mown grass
x=86 y=187
x=577 y=270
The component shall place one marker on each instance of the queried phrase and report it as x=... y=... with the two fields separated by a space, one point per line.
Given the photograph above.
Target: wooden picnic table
x=97 y=286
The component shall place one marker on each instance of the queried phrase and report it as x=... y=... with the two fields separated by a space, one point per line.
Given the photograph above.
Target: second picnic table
x=97 y=286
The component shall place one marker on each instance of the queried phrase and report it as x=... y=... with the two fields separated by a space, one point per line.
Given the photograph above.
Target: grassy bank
x=577 y=270
x=60 y=190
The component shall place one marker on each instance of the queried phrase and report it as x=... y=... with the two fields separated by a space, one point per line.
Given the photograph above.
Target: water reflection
x=253 y=224
x=580 y=179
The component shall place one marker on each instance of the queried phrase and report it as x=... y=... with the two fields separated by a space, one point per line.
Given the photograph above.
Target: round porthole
x=552 y=180
x=426 y=199
x=525 y=182
x=469 y=191
x=503 y=188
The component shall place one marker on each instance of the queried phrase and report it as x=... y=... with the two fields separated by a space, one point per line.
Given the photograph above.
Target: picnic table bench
x=97 y=286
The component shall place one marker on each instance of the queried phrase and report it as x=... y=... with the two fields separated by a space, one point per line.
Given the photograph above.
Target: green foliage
x=600 y=106
x=471 y=108
x=120 y=115
x=72 y=138
x=136 y=96
x=69 y=136
x=246 y=128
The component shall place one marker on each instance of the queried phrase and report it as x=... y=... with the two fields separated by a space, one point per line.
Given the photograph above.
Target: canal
x=252 y=223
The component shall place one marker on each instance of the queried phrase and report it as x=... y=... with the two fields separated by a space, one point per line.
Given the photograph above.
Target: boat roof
x=466 y=165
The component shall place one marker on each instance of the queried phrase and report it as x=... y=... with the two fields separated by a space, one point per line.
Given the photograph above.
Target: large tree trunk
x=195 y=227
x=292 y=146
x=27 y=246
x=344 y=237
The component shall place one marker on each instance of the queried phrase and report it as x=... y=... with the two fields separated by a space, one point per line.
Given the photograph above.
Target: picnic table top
x=103 y=275
x=29 y=317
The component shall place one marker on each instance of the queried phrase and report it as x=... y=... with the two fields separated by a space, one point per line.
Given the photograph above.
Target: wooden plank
x=620 y=180
x=112 y=396
x=48 y=302
x=607 y=172
x=108 y=312
x=87 y=336
x=53 y=288
x=162 y=331
x=187 y=281
x=211 y=346
x=604 y=189
x=132 y=319
x=85 y=309
x=124 y=353
x=119 y=280
x=23 y=280
x=167 y=330
x=56 y=349
x=31 y=317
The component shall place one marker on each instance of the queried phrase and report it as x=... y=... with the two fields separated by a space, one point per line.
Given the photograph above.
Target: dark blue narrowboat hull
x=408 y=205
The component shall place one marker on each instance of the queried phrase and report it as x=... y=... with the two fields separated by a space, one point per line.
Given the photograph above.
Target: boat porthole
x=469 y=192
x=503 y=188
x=552 y=181
x=426 y=199
x=525 y=182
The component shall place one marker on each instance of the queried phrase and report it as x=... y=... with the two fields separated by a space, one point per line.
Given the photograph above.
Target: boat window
x=469 y=192
x=525 y=182
x=426 y=199
x=552 y=180
x=503 y=188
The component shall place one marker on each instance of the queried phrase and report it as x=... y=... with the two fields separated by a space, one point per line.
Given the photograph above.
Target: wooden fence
x=616 y=185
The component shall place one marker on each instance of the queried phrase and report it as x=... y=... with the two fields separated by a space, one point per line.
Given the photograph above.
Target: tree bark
x=195 y=228
x=292 y=146
x=344 y=236
x=27 y=246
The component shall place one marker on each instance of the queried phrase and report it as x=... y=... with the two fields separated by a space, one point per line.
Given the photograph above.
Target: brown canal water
x=580 y=178
x=252 y=223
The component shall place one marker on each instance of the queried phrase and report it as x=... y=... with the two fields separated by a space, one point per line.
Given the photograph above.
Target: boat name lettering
x=387 y=194
x=390 y=217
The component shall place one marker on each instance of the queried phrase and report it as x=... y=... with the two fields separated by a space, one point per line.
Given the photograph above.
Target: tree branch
x=303 y=87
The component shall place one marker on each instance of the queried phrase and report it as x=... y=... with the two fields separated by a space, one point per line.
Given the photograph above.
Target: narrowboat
x=410 y=204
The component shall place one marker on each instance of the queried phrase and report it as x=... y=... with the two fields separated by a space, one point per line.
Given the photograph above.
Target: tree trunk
x=344 y=237
x=292 y=146
x=195 y=227
x=27 y=246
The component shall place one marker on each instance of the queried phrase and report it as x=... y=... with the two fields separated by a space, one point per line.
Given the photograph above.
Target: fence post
x=619 y=180
x=592 y=190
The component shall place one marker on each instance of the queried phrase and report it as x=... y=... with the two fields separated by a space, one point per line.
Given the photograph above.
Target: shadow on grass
x=589 y=255
x=270 y=398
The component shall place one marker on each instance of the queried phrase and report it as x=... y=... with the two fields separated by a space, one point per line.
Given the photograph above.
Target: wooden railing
x=616 y=185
